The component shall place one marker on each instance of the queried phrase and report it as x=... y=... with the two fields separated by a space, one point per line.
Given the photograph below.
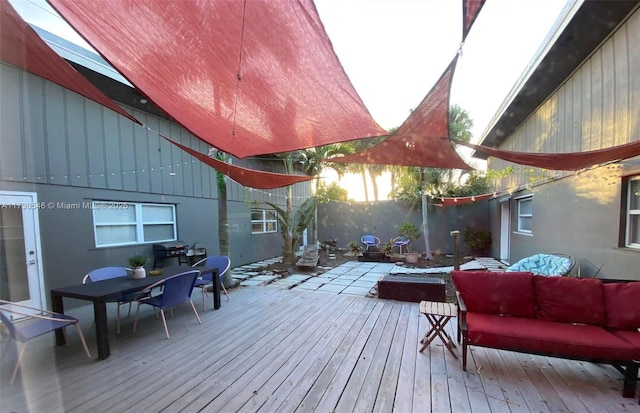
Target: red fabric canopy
x=253 y=77
x=470 y=10
x=244 y=176
x=21 y=46
x=562 y=161
x=418 y=141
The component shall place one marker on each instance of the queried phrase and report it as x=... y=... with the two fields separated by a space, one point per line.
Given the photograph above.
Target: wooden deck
x=273 y=350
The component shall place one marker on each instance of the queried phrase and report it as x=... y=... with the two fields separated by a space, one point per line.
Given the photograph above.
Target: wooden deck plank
x=385 y=397
x=288 y=373
x=331 y=376
x=291 y=393
x=302 y=351
x=352 y=390
x=406 y=378
x=337 y=387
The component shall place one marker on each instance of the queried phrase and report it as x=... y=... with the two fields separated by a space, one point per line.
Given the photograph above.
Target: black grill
x=172 y=249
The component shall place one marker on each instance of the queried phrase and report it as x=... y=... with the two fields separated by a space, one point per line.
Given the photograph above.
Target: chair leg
x=195 y=311
x=135 y=322
x=164 y=322
x=118 y=319
x=84 y=343
x=204 y=292
x=225 y=291
x=21 y=348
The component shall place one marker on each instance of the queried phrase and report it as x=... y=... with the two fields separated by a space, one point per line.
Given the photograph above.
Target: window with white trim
x=632 y=221
x=525 y=214
x=127 y=223
x=263 y=221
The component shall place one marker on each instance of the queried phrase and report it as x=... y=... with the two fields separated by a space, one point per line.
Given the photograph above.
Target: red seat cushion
x=496 y=293
x=631 y=337
x=621 y=305
x=547 y=337
x=569 y=300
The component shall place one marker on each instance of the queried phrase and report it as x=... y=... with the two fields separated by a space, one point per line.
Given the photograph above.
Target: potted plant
x=412 y=232
x=478 y=241
x=354 y=248
x=137 y=262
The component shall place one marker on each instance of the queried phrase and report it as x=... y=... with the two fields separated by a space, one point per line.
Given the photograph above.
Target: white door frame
x=28 y=202
x=505 y=229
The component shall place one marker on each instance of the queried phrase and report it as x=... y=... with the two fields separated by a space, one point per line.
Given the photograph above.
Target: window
x=126 y=223
x=525 y=214
x=632 y=225
x=263 y=221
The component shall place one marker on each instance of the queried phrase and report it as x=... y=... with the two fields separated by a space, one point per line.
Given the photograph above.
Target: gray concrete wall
x=349 y=222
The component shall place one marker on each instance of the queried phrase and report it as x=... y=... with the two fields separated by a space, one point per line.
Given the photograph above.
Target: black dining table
x=101 y=292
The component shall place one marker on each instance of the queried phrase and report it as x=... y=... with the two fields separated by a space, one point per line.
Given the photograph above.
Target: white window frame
x=521 y=215
x=139 y=222
x=264 y=221
x=630 y=212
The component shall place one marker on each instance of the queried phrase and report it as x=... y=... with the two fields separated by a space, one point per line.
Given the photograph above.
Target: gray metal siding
x=579 y=213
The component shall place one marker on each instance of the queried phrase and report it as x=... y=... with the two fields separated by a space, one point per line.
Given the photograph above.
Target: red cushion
x=496 y=293
x=621 y=305
x=631 y=337
x=546 y=337
x=569 y=300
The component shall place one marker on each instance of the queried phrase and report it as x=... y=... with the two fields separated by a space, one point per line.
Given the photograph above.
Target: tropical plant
x=409 y=230
x=293 y=225
x=138 y=260
x=477 y=240
x=354 y=248
x=387 y=247
x=223 y=216
x=332 y=192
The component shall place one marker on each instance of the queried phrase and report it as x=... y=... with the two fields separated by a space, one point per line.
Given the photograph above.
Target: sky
x=395 y=50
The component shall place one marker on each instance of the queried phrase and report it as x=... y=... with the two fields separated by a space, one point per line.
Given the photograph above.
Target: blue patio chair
x=33 y=322
x=401 y=242
x=107 y=273
x=175 y=290
x=370 y=241
x=222 y=263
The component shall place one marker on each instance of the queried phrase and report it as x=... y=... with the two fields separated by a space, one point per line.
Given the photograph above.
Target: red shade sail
x=250 y=78
x=244 y=176
x=418 y=141
x=21 y=46
x=562 y=161
x=470 y=10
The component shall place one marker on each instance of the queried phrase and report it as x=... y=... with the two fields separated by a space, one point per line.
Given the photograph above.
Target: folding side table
x=438 y=313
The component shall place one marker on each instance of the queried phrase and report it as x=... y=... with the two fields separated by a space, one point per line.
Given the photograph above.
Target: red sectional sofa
x=582 y=319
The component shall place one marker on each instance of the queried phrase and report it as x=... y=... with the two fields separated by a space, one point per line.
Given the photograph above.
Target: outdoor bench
x=573 y=318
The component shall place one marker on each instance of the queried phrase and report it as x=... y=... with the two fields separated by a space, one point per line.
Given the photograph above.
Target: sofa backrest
x=486 y=292
x=621 y=305
x=570 y=300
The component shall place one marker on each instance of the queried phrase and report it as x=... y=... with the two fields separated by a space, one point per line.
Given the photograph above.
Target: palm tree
x=314 y=161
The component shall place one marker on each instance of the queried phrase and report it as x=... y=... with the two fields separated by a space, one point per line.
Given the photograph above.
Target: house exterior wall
x=580 y=212
x=68 y=149
x=350 y=221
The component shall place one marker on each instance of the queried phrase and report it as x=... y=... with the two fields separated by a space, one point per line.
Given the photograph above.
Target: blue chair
x=176 y=290
x=370 y=241
x=107 y=273
x=401 y=242
x=34 y=322
x=222 y=263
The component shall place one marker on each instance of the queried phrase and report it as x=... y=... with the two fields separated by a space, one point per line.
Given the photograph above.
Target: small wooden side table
x=438 y=313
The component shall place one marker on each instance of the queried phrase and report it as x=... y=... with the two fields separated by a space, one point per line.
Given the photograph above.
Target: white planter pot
x=139 y=272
